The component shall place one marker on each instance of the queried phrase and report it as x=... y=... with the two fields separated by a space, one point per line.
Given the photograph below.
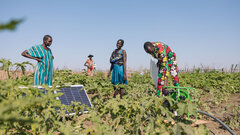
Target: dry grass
x=4 y=76
x=14 y=75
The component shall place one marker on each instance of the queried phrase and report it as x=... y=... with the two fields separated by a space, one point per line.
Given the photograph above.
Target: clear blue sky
x=201 y=32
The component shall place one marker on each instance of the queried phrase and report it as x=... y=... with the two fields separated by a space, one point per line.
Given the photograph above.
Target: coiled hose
x=219 y=121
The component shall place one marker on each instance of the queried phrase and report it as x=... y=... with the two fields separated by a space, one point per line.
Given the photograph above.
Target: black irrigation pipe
x=219 y=121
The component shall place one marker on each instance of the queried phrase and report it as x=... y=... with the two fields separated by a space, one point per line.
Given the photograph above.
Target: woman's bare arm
x=111 y=67
x=25 y=54
x=125 y=65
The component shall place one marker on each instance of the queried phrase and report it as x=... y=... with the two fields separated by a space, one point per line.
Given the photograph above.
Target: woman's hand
x=109 y=75
x=37 y=59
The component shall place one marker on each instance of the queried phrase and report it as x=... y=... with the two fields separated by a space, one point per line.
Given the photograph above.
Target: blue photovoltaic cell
x=84 y=97
x=43 y=90
x=76 y=94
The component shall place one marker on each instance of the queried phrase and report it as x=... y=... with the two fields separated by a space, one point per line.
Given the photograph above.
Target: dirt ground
x=14 y=75
x=221 y=112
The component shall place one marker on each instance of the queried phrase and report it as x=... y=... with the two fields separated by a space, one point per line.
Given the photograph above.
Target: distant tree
x=11 y=25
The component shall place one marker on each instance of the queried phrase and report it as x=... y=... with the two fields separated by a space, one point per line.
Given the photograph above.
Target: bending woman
x=167 y=62
x=118 y=67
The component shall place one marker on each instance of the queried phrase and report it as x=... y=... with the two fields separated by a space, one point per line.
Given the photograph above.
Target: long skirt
x=118 y=74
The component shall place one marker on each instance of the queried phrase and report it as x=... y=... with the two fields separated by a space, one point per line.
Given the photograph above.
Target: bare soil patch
x=222 y=111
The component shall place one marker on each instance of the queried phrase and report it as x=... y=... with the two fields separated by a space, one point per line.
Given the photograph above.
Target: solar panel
x=72 y=93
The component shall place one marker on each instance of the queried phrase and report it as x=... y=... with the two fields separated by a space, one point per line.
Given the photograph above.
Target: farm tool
x=181 y=93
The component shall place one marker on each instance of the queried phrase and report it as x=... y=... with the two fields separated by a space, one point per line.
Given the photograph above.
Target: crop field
x=139 y=112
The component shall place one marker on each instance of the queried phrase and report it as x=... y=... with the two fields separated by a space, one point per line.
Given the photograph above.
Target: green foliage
x=29 y=111
x=216 y=85
x=22 y=66
x=7 y=65
x=11 y=25
x=139 y=112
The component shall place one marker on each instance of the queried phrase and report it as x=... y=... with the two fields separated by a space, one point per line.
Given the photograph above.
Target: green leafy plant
x=139 y=112
x=22 y=66
x=6 y=64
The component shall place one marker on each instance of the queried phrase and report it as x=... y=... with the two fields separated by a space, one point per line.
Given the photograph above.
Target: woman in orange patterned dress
x=89 y=65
